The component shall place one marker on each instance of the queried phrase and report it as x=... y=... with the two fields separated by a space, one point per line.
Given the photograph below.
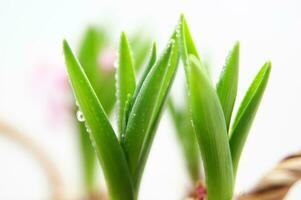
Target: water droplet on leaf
x=80 y=116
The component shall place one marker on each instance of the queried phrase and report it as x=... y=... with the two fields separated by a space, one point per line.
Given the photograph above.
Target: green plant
x=95 y=44
x=123 y=156
x=211 y=108
x=139 y=108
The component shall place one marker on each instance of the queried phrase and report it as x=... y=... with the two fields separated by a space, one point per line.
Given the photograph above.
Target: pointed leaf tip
x=228 y=83
x=126 y=80
x=237 y=45
x=210 y=129
x=123 y=37
x=182 y=16
x=146 y=110
x=268 y=65
x=102 y=135
x=246 y=113
x=66 y=46
x=186 y=43
x=151 y=62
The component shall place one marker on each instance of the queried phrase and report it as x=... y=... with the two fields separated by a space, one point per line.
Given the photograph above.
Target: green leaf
x=107 y=92
x=102 y=135
x=89 y=50
x=187 y=45
x=91 y=45
x=209 y=123
x=126 y=81
x=88 y=157
x=227 y=84
x=150 y=64
x=146 y=110
x=187 y=139
x=247 y=112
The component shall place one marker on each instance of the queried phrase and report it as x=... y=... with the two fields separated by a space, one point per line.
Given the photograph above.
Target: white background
x=32 y=31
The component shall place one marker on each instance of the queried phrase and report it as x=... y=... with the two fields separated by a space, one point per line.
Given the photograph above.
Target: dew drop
x=122 y=137
x=172 y=42
x=116 y=64
x=87 y=128
x=80 y=116
x=178 y=31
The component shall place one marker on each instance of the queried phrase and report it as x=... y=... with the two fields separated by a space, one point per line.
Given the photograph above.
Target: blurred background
x=35 y=98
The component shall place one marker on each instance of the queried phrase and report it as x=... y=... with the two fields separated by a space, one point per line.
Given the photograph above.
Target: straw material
x=36 y=152
x=276 y=183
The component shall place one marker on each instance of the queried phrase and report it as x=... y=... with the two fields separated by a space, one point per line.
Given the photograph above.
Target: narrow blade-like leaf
x=187 y=45
x=247 y=112
x=126 y=81
x=102 y=135
x=164 y=90
x=210 y=128
x=146 y=110
x=227 y=84
x=88 y=157
x=150 y=64
x=89 y=49
x=209 y=123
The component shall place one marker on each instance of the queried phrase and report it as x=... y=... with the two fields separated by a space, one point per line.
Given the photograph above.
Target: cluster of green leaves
x=220 y=142
x=139 y=109
x=93 y=44
x=123 y=156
